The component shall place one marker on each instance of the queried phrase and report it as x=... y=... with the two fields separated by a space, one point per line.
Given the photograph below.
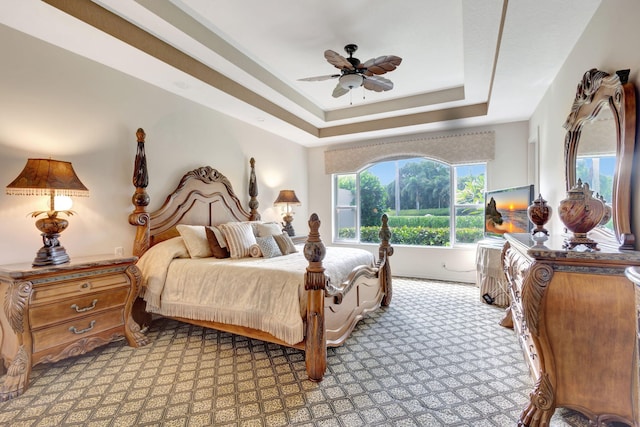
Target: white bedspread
x=260 y=293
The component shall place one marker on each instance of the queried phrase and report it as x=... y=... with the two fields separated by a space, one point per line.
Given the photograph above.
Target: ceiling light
x=349 y=81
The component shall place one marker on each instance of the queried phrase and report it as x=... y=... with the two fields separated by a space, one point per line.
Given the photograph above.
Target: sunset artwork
x=506 y=210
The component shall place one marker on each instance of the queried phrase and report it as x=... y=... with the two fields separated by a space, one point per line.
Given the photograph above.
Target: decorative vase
x=539 y=213
x=607 y=211
x=580 y=212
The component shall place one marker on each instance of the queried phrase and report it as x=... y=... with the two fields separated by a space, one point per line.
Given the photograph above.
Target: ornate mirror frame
x=596 y=90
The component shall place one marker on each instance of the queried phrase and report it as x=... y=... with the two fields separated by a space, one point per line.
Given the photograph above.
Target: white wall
x=456 y=264
x=56 y=104
x=609 y=43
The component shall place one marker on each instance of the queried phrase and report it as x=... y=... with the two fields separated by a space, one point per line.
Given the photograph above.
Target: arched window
x=428 y=202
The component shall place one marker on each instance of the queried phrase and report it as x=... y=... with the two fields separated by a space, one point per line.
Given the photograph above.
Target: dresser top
x=25 y=270
x=552 y=250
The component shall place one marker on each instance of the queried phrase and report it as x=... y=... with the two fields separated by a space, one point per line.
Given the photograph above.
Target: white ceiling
x=465 y=62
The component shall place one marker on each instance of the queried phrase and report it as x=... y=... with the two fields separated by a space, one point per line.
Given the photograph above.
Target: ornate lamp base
x=288 y=228
x=51 y=253
x=286 y=225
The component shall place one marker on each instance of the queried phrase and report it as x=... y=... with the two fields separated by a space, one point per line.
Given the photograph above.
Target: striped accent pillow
x=285 y=244
x=240 y=237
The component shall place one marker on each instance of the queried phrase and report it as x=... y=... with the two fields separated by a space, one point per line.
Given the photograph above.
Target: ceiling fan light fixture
x=350 y=81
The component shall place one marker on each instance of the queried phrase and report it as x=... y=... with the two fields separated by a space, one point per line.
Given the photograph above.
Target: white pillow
x=269 y=229
x=240 y=237
x=195 y=239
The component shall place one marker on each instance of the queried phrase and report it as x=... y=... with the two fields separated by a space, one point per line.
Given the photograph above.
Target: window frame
x=453 y=205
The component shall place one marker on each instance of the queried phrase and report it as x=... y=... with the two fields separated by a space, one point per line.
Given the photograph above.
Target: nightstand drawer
x=76 y=329
x=45 y=293
x=75 y=307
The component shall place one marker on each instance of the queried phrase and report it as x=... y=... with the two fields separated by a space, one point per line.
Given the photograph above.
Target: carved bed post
x=253 y=192
x=384 y=252
x=315 y=284
x=140 y=199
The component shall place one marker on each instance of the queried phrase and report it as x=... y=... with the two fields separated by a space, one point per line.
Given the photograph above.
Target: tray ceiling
x=464 y=62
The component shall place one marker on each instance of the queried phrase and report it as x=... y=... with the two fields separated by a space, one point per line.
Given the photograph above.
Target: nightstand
x=54 y=312
x=299 y=240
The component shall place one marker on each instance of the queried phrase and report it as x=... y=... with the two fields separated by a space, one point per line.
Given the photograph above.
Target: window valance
x=451 y=149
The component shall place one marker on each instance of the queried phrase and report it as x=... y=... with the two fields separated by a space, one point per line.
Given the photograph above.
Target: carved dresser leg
x=541 y=407
x=17 y=378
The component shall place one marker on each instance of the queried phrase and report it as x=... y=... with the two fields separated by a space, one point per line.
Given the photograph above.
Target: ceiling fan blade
x=377 y=84
x=339 y=91
x=337 y=60
x=381 y=64
x=319 y=78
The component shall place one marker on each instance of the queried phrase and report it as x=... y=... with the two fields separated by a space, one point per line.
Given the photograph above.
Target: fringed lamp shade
x=287 y=198
x=47 y=177
x=44 y=177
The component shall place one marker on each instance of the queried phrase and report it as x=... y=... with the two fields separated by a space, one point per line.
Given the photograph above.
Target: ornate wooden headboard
x=204 y=196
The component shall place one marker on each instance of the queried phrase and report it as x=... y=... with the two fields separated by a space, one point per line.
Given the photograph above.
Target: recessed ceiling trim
x=114 y=25
x=184 y=22
x=414 y=101
x=407 y=120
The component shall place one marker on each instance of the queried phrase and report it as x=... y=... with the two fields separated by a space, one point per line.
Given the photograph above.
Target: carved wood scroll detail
x=597 y=90
x=15 y=303
x=541 y=406
x=140 y=217
x=133 y=332
x=16 y=380
x=533 y=290
x=79 y=347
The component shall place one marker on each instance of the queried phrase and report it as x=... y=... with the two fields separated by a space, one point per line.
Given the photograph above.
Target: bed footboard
x=333 y=311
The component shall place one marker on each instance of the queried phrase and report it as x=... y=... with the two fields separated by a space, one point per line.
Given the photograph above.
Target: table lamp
x=287 y=198
x=53 y=178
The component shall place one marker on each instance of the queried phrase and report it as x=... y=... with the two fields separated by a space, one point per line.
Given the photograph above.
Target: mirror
x=600 y=142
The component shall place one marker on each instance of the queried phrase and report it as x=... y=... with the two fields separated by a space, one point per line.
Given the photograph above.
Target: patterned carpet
x=435 y=357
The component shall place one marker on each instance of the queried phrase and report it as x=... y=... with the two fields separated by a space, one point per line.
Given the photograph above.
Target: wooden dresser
x=50 y=313
x=574 y=314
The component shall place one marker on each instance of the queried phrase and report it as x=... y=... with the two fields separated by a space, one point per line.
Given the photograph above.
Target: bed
x=308 y=282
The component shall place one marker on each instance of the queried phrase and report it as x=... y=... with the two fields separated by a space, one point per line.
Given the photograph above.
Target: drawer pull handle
x=85 y=285
x=82 y=310
x=82 y=331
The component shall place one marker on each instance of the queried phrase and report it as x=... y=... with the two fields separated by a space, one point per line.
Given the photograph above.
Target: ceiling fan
x=354 y=73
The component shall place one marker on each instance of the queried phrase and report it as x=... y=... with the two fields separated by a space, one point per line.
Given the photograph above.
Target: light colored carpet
x=435 y=357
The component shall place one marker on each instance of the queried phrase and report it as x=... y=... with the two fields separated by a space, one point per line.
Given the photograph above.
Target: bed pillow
x=269 y=229
x=214 y=238
x=239 y=236
x=285 y=244
x=268 y=247
x=195 y=239
x=254 y=251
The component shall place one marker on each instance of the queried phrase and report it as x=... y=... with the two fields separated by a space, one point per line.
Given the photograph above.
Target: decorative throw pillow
x=285 y=244
x=254 y=251
x=239 y=236
x=214 y=243
x=195 y=239
x=268 y=247
x=269 y=229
